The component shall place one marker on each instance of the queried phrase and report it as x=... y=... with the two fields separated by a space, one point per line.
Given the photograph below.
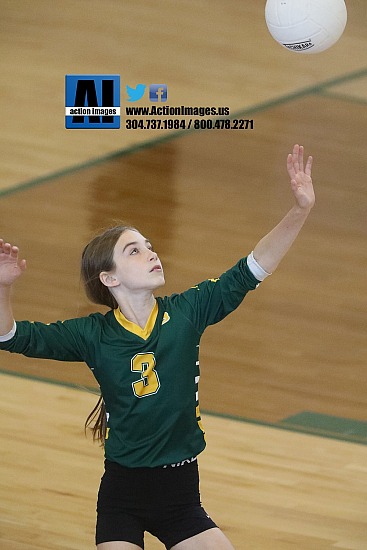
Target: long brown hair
x=97 y=256
x=97 y=422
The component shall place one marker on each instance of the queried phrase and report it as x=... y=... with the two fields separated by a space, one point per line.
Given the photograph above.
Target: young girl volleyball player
x=144 y=355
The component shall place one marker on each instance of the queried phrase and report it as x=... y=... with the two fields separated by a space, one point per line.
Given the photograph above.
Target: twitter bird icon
x=135 y=93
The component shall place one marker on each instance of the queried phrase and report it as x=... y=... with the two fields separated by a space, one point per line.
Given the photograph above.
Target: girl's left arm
x=270 y=250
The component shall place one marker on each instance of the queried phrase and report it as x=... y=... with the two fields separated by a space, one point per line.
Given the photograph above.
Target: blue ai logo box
x=92 y=101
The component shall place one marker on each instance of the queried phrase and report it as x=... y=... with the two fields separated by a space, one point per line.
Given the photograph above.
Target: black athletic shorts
x=163 y=501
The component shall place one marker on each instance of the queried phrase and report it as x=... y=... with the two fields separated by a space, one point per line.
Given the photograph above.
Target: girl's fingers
x=295 y=157
x=300 y=157
x=308 y=166
x=7 y=248
x=290 y=166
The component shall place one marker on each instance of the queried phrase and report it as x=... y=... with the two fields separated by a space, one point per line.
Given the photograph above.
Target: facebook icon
x=158 y=92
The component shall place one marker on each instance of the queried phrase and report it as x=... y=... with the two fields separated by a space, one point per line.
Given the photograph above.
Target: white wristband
x=258 y=272
x=10 y=334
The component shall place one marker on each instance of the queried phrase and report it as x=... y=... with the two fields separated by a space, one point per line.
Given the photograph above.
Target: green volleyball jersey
x=149 y=380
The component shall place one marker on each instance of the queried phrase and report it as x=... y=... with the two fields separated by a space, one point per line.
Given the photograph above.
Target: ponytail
x=99 y=417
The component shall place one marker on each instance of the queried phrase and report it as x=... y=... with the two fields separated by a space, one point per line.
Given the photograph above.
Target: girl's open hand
x=10 y=266
x=301 y=181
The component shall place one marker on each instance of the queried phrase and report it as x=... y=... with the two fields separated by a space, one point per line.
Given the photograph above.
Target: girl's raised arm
x=272 y=248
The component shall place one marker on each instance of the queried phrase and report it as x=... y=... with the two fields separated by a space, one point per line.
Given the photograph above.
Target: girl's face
x=137 y=266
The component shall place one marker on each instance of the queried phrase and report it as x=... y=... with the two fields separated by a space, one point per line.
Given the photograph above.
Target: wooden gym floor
x=292 y=359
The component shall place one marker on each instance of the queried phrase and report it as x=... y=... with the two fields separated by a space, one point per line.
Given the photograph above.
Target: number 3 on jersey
x=149 y=383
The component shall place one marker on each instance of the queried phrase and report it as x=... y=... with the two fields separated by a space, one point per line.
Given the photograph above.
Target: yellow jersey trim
x=145 y=332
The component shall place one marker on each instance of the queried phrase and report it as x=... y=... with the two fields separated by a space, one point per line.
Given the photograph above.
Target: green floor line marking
x=83 y=166
x=250 y=111
x=354 y=75
x=354 y=430
x=293 y=427
x=347 y=98
x=52 y=381
x=287 y=424
x=304 y=92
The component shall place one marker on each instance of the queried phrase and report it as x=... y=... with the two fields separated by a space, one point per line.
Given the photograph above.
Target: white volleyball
x=306 y=26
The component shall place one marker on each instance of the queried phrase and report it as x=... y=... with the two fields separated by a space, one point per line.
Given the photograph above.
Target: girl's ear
x=107 y=279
